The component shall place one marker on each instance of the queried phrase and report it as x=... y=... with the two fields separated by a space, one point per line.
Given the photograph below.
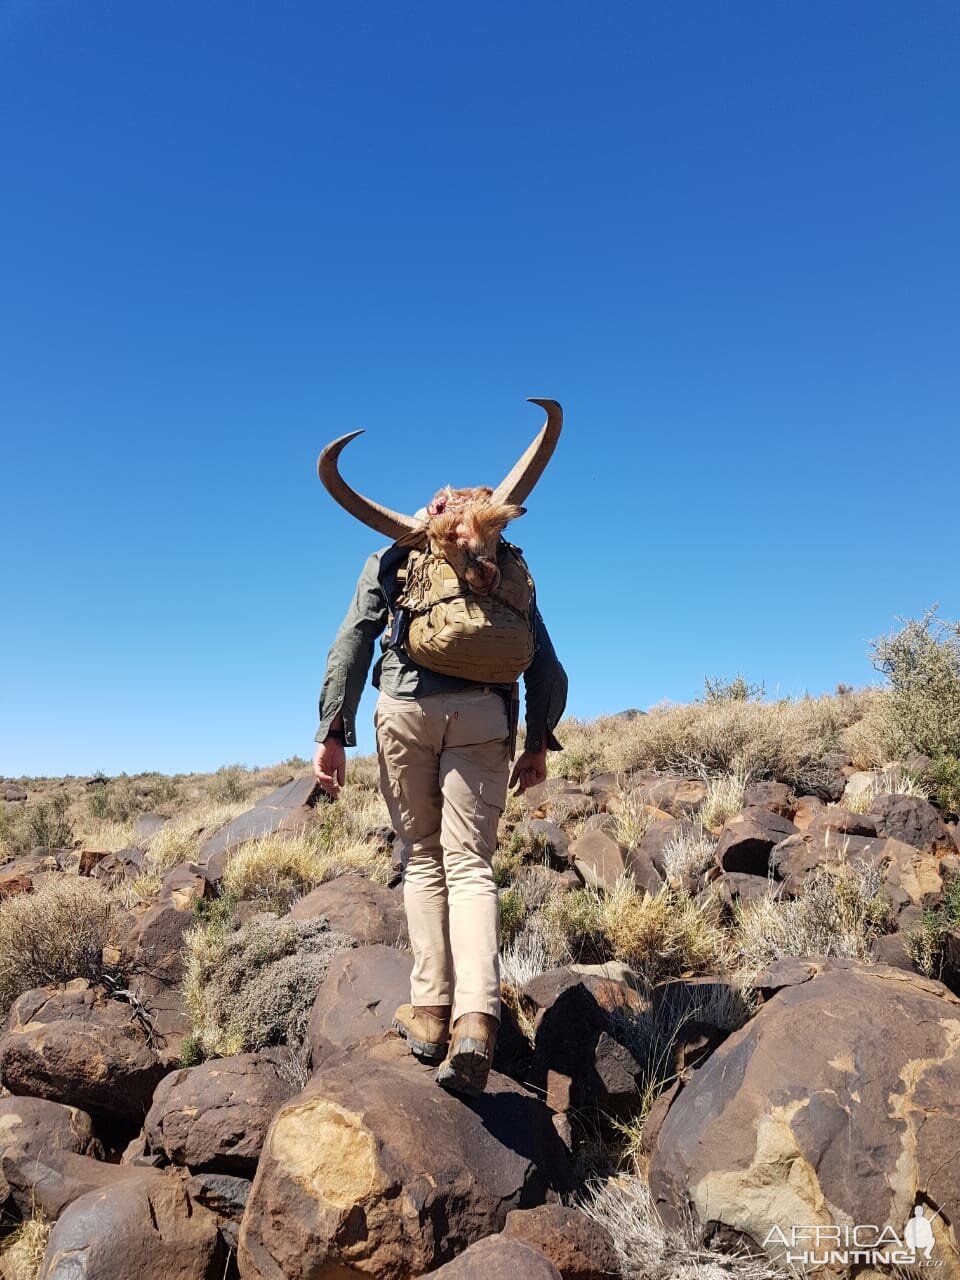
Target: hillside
x=731 y=978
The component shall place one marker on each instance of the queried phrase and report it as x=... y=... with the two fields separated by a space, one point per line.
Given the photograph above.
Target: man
x=444 y=733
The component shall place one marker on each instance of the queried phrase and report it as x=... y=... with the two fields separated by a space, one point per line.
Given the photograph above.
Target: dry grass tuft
x=662 y=934
x=648 y=1249
x=21 y=1256
x=797 y=742
x=841 y=911
x=633 y=818
x=689 y=853
x=54 y=934
x=724 y=799
x=276 y=870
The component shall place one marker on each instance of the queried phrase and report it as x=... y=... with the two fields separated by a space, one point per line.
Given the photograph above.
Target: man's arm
x=346 y=674
x=545 y=684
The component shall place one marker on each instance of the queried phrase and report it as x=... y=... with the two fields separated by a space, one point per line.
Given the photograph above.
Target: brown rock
x=807 y=810
x=912 y=820
x=599 y=860
x=357 y=907
x=146 y=826
x=575 y=1061
x=746 y=841
x=289 y=808
x=603 y=787
x=579 y=1248
x=215 y=1116
x=740 y=886
x=117 y=867
x=76 y=1046
x=375 y=1170
x=537 y=799
x=891 y=949
x=775 y=796
x=679 y=796
x=793 y=860
x=839 y=821
x=152 y=955
x=142 y=1226
x=842 y=1092
x=499 y=1257
x=185 y=885
x=645 y=874
x=36 y=1139
x=22 y=874
x=658 y=836
x=543 y=838
x=357 y=998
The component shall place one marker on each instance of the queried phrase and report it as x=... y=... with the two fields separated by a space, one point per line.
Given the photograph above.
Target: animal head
x=464 y=527
x=461 y=525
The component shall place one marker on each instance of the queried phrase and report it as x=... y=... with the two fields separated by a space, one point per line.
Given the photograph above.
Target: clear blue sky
x=725 y=237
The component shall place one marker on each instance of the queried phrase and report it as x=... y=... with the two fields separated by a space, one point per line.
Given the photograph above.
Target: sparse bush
x=945 y=783
x=532 y=951
x=526 y=845
x=797 y=742
x=584 y=751
x=53 y=934
x=736 y=690
x=513 y=913
x=255 y=986
x=840 y=911
x=922 y=664
x=892 y=781
x=49 y=824
x=651 y=1033
x=228 y=784
x=506 y=864
x=925 y=943
x=572 y=926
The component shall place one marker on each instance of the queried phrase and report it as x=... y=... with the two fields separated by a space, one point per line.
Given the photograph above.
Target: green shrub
x=228 y=783
x=944 y=776
x=255 y=986
x=49 y=824
x=736 y=690
x=513 y=912
x=922 y=664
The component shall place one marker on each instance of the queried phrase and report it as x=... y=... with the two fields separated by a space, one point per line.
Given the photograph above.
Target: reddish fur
x=464 y=527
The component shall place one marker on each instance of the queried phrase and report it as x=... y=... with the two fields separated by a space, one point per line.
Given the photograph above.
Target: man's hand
x=530 y=769
x=330 y=766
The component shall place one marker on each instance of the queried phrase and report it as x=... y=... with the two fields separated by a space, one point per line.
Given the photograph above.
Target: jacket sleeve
x=352 y=652
x=545 y=684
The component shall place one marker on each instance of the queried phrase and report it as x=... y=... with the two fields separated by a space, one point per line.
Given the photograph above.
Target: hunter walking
x=454 y=606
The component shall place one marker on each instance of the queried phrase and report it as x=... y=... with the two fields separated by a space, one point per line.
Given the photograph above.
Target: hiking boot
x=467 y=1064
x=426 y=1034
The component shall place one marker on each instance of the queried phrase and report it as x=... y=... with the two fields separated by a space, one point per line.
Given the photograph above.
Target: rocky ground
x=729 y=1002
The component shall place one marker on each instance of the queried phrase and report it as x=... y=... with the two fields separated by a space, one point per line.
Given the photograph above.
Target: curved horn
x=391 y=523
x=530 y=467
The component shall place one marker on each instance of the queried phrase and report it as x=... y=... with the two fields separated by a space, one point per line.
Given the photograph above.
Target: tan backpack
x=452 y=630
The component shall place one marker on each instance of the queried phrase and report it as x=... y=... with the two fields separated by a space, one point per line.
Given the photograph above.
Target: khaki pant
x=444 y=763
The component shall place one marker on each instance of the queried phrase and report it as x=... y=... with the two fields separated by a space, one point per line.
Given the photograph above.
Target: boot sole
x=466 y=1070
x=420 y=1048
